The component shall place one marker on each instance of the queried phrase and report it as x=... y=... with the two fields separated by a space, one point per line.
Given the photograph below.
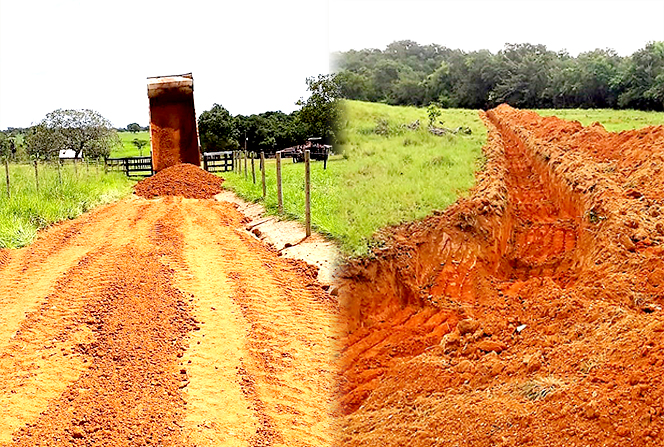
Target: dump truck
x=173 y=131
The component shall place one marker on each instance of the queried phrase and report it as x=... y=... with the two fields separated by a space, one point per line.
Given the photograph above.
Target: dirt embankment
x=159 y=322
x=529 y=313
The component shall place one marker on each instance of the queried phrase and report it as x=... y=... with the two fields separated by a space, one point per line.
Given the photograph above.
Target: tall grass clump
x=387 y=172
x=63 y=195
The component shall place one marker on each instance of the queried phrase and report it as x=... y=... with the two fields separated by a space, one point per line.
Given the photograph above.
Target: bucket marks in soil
x=542 y=232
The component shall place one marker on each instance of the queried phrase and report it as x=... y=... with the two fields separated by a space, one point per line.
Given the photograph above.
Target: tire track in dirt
x=218 y=411
x=24 y=285
x=134 y=318
x=546 y=227
x=145 y=336
x=284 y=368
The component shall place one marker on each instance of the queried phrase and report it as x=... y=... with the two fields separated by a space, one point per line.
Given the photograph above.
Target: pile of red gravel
x=184 y=180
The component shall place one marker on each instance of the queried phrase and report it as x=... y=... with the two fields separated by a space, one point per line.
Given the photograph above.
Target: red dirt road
x=529 y=314
x=159 y=322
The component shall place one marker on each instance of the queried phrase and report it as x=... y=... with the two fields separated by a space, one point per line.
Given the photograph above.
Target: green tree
x=524 y=75
x=433 y=113
x=5 y=146
x=83 y=131
x=385 y=75
x=133 y=127
x=471 y=78
x=44 y=143
x=642 y=79
x=524 y=72
x=408 y=88
x=438 y=85
x=354 y=85
x=217 y=130
x=320 y=113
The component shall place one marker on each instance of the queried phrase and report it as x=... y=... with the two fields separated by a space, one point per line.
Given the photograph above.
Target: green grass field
x=29 y=210
x=612 y=120
x=128 y=149
x=381 y=179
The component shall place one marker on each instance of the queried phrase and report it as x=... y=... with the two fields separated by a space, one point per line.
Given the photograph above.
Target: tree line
x=522 y=75
x=85 y=132
x=271 y=131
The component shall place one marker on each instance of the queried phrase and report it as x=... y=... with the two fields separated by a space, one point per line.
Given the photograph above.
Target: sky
x=254 y=56
x=248 y=56
x=572 y=25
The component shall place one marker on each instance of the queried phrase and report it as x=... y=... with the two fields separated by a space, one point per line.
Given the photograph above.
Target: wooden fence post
x=9 y=194
x=36 y=176
x=263 y=173
x=246 y=172
x=59 y=172
x=280 y=196
x=253 y=169
x=307 y=192
x=239 y=162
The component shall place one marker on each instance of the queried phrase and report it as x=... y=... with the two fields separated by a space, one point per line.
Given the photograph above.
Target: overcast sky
x=249 y=56
x=254 y=56
x=574 y=25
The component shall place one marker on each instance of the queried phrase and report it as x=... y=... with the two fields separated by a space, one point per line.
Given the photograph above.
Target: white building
x=69 y=154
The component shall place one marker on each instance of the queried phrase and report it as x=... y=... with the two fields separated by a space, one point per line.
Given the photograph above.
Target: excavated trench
x=535 y=237
x=545 y=218
x=538 y=232
x=512 y=317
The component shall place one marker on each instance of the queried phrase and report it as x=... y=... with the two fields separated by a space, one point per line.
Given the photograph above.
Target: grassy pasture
x=387 y=174
x=29 y=210
x=612 y=120
x=128 y=149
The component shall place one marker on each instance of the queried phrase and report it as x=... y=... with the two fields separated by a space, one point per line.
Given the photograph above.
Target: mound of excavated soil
x=530 y=313
x=184 y=180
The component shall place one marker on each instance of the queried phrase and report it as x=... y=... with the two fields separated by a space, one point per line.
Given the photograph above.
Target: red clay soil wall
x=174 y=133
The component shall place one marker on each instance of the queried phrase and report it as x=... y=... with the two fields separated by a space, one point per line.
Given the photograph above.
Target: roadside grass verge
x=612 y=120
x=387 y=173
x=29 y=210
